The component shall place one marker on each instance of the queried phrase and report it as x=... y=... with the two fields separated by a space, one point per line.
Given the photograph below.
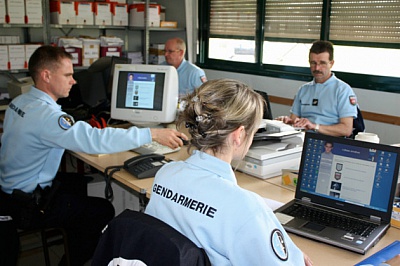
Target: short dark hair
x=322 y=47
x=46 y=56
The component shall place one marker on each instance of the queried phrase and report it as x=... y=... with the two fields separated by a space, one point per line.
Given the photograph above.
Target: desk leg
x=143 y=200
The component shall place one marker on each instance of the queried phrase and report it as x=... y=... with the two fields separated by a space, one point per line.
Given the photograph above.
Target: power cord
x=108 y=173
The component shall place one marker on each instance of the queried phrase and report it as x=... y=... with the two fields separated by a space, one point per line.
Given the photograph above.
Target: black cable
x=108 y=191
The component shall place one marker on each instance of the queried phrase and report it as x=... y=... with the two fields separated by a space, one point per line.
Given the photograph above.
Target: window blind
x=233 y=18
x=365 y=21
x=293 y=19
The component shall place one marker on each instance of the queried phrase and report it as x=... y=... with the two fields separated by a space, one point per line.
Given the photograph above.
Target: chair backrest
x=267 y=107
x=358 y=123
x=135 y=236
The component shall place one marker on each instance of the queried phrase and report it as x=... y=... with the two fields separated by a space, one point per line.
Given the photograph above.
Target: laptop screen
x=347 y=172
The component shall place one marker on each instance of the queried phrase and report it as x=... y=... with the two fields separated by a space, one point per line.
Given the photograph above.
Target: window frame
x=355 y=80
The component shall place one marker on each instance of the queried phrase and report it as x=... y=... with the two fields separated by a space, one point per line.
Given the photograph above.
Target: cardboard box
x=289 y=177
x=84 y=13
x=136 y=15
x=168 y=24
x=119 y=14
x=16 y=56
x=395 y=221
x=110 y=46
x=156 y=59
x=102 y=14
x=4 y=57
x=15 y=88
x=62 y=12
x=33 y=12
x=74 y=47
x=111 y=51
x=15 y=11
x=90 y=51
x=159 y=46
x=154 y=51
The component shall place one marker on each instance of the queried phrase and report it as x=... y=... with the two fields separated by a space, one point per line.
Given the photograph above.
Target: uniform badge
x=353 y=99
x=66 y=121
x=278 y=245
x=315 y=102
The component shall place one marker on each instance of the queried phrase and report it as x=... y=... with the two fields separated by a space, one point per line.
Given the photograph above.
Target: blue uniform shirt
x=325 y=103
x=190 y=77
x=200 y=198
x=36 y=133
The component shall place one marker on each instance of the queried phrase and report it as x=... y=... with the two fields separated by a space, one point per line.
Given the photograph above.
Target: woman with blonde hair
x=200 y=196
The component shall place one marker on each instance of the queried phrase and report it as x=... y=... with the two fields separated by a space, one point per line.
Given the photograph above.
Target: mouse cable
x=108 y=191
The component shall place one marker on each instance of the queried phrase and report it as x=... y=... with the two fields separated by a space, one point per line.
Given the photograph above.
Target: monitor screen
x=144 y=94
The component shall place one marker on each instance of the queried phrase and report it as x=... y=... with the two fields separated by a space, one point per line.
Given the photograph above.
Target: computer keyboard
x=155 y=147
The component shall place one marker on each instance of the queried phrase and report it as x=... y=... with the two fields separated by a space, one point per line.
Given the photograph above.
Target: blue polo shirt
x=190 y=77
x=325 y=103
x=36 y=134
x=200 y=198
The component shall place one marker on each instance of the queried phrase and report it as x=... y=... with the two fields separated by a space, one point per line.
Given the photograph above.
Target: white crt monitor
x=144 y=94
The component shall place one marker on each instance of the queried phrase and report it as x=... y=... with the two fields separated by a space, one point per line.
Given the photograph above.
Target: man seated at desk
x=33 y=193
x=326 y=104
x=190 y=76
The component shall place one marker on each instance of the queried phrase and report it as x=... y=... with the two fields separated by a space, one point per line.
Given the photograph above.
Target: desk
x=321 y=254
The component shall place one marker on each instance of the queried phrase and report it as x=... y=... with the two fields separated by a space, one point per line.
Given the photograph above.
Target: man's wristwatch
x=316 y=128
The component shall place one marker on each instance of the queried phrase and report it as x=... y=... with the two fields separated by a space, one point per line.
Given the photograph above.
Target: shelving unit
x=135 y=38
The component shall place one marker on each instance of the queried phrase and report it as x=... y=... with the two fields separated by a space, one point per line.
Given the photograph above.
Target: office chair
x=136 y=236
x=358 y=124
x=267 y=107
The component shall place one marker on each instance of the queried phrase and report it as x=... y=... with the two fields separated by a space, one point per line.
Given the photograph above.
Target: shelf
x=155 y=28
x=60 y=26
x=6 y=25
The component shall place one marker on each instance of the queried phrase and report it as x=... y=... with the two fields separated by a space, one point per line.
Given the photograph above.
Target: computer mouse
x=185 y=142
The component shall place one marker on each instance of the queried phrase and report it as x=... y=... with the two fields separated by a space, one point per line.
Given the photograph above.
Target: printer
x=275 y=147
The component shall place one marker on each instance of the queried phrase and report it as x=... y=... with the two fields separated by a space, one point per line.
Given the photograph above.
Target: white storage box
x=3 y=57
x=3 y=11
x=62 y=12
x=84 y=13
x=119 y=14
x=136 y=15
x=15 y=11
x=33 y=12
x=16 y=56
x=29 y=49
x=102 y=14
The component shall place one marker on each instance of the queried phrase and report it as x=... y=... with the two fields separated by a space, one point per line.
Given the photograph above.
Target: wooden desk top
x=321 y=254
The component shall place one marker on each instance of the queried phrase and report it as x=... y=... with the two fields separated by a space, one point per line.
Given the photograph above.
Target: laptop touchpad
x=314 y=226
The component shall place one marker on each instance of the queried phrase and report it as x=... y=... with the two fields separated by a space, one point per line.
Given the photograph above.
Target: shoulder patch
x=278 y=245
x=66 y=121
x=353 y=99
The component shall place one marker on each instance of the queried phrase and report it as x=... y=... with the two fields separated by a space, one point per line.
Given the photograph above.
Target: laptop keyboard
x=351 y=225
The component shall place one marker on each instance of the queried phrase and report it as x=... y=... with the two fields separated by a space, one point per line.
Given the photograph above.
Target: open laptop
x=355 y=182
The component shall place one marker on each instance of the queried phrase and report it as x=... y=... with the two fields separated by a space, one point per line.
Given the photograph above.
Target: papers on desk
x=273 y=204
x=382 y=255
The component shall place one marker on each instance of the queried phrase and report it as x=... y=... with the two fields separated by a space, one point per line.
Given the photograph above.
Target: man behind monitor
x=190 y=75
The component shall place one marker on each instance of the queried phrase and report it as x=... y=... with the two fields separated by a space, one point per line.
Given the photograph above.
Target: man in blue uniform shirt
x=326 y=104
x=36 y=133
x=190 y=75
